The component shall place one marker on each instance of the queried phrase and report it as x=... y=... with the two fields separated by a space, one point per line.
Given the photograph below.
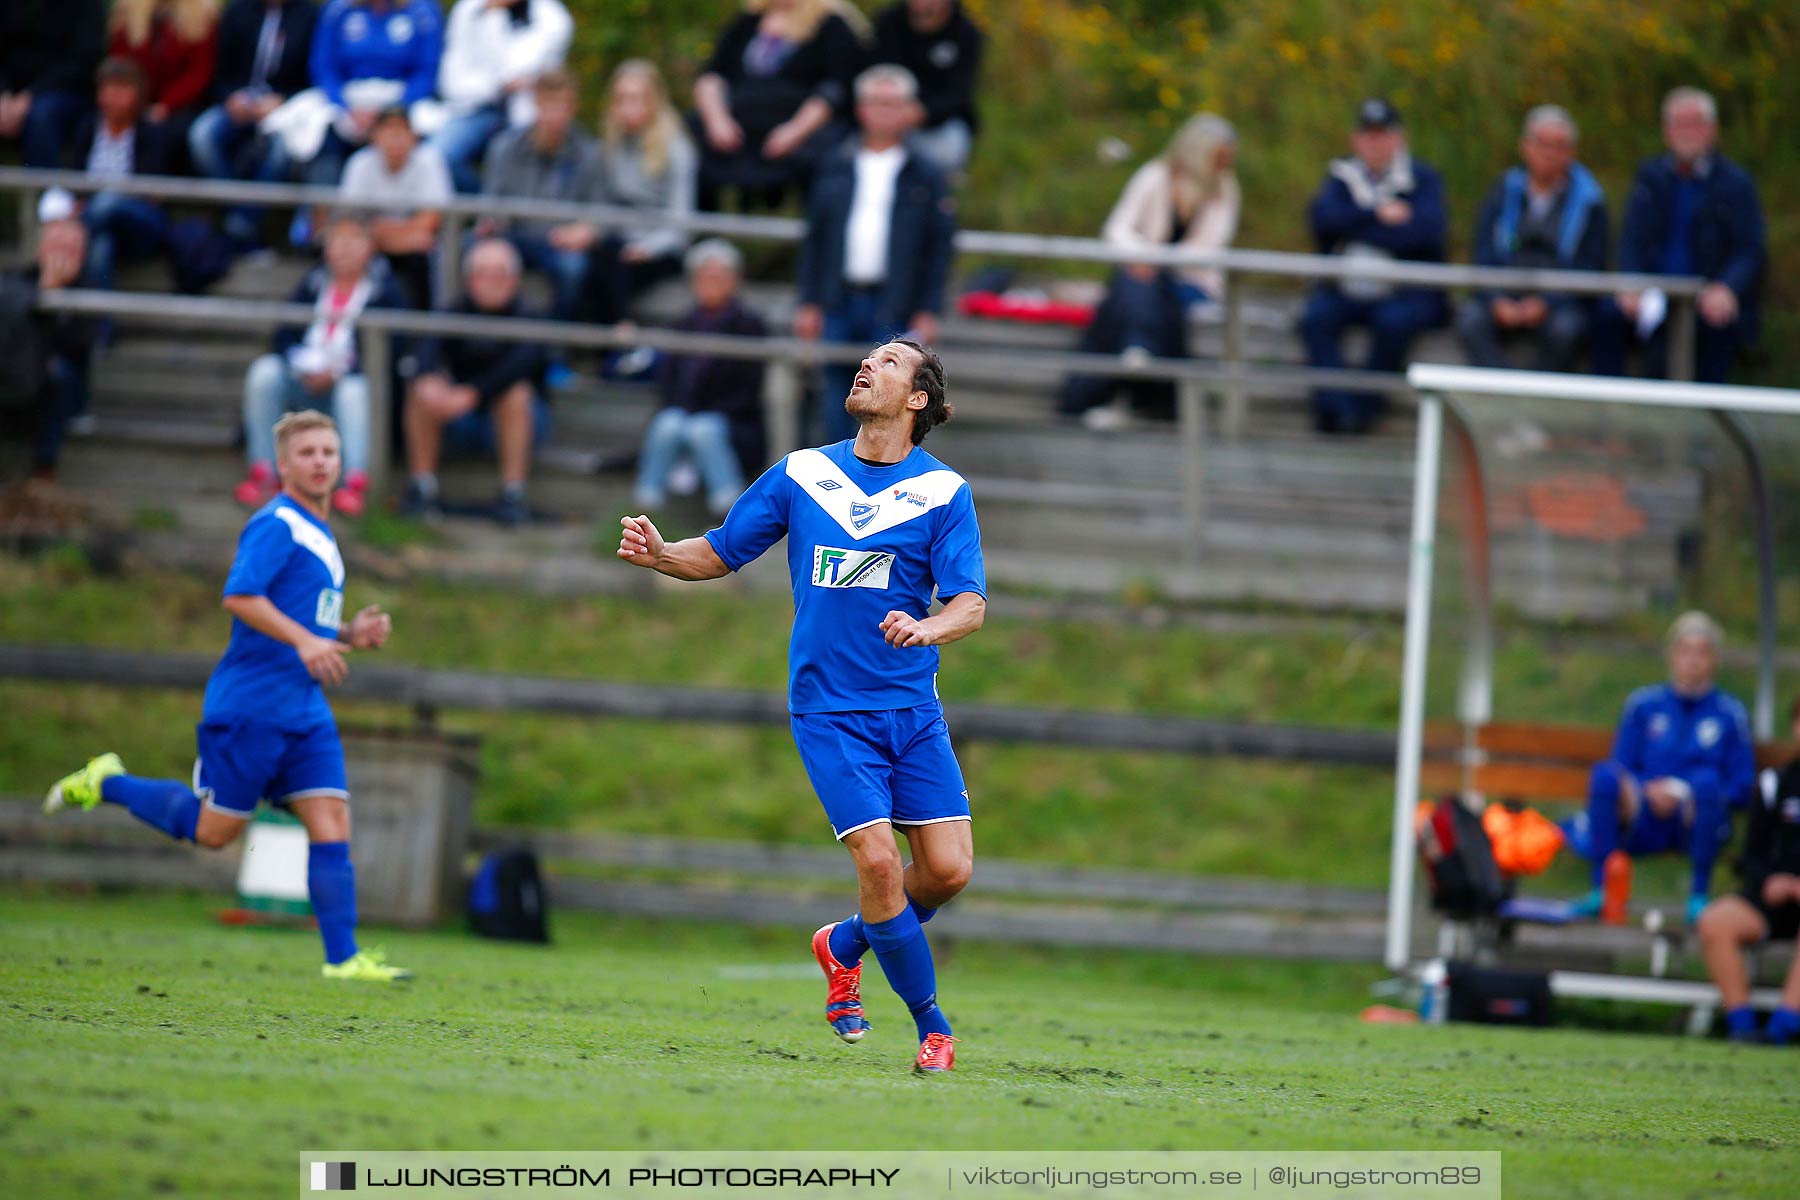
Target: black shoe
x=511 y=510
x=415 y=505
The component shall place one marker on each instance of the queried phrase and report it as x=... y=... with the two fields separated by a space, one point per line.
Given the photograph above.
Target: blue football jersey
x=288 y=555
x=862 y=541
x=1705 y=740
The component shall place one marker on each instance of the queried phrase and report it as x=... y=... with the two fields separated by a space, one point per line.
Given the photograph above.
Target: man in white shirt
x=404 y=185
x=880 y=227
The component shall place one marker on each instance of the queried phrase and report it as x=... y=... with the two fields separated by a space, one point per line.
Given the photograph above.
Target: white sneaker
x=1106 y=418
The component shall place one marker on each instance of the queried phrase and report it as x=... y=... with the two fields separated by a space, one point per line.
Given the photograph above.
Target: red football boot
x=936 y=1053
x=843 y=989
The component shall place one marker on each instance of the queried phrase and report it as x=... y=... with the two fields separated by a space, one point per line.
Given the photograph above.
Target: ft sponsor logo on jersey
x=330 y=612
x=835 y=568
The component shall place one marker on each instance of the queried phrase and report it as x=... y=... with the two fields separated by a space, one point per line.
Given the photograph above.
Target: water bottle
x=1434 y=1000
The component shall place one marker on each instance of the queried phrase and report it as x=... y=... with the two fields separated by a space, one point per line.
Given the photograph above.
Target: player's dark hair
x=928 y=377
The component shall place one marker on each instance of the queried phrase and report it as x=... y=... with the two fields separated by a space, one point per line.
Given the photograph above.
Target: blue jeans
x=464 y=139
x=64 y=394
x=223 y=149
x=706 y=438
x=121 y=227
x=271 y=388
x=857 y=319
x=948 y=145
x=567 y=269
x=1393 y=322
x=48 y=125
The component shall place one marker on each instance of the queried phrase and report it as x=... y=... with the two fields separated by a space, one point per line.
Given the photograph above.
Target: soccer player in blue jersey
x=266 y=730
x=875 y=527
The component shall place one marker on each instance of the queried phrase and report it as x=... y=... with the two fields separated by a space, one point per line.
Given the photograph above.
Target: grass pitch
x=149 y=1050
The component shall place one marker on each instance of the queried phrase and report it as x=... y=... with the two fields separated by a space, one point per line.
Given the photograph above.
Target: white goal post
x=1442 y=391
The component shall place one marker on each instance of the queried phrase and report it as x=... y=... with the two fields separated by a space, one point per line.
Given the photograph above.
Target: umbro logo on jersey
x=861 y=514
x=828 y=485
x=835 y=568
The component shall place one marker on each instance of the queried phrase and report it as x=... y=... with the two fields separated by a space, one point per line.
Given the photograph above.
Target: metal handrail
x=968 y=241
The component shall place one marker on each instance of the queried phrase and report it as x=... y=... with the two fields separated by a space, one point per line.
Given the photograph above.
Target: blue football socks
x=905 y=957
x=1783 y=1024
x=163 y=804
x=849 y=941
x=1740 y=1024
x=331 y=884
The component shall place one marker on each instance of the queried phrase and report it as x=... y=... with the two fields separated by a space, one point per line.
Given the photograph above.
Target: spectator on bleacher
x=1187 y=197
x=1549 y=213
x=936 y=41
x=551 y=159
x=262 y=60
x=648 y=163
x=1692 y=211
x=53 y=388
x=404 y=184
x=711 y=415
x=880 y=233
x=1766 y=907
x=494 y=51
x=367 y=56
x=174 y=42
x=48 y=52
x=1682 y=760
x=319 y=366
x=476 y=393
x=772 y=99
x=1376 y=205
x=116 y=142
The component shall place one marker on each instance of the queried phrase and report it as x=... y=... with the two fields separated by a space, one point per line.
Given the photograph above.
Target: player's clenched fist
x=324 y=659
x=901 y=630
x=639 y=543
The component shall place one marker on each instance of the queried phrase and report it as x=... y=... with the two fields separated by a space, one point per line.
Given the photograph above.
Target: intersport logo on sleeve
x=835 y=568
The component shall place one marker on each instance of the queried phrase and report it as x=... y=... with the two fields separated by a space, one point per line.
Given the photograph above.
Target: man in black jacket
x=1768 y=906
x=116 y=142
x=880 y=232
x=936 y=41
x=711 y=406
x=48 y=52
x=1692 y=211
x=478 y=393
x=262 y=60
x=47 y=391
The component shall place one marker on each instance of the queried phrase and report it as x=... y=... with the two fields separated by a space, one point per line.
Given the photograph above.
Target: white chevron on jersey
x=322 y=544
x=863 y=514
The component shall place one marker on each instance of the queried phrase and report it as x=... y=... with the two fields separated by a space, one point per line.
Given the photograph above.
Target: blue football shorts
x=893 y=765
x=242 y=762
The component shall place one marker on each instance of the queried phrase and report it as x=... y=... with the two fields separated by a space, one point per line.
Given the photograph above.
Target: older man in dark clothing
x=880 y=231
x=1379 y=203
x=1549 y=213
x=1692 y=211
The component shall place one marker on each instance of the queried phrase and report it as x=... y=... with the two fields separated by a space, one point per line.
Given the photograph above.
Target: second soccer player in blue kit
x=876 y=527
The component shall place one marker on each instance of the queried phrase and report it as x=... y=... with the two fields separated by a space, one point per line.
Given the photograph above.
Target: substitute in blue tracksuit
x=1682 y=760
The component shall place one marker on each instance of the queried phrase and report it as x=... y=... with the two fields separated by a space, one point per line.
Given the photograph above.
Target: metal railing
x=1231 y=378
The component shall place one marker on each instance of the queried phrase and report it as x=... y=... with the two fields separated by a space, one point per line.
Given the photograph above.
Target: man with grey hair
x=1549 y=213
x=1692 y=211
x=711 y=417
x=880 y=224
x=1683 y=759
x=478 y=394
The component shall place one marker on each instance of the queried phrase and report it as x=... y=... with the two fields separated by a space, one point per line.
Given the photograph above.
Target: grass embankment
x=1067 y=805
x=152 y=1051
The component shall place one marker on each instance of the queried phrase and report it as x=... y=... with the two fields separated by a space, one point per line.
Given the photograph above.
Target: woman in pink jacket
x=1186 y=198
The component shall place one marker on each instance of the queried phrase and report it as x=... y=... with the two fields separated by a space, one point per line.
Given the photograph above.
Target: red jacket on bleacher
x=176 y=72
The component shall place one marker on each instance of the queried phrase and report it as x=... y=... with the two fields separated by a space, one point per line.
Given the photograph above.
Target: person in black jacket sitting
x=116 y=143
x=262 y=60
x=936 y=41
x=880 y=233
x=48 y=392
x=478 y=393
x=1768 y=906
x=712 y=407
